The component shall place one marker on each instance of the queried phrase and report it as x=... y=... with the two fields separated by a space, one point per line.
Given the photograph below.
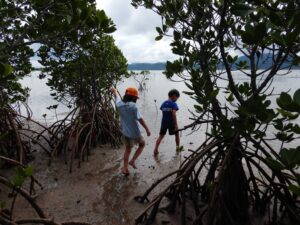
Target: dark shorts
x=167 y=127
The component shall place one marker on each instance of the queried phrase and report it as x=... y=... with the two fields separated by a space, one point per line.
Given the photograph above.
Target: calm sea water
x=156 y=92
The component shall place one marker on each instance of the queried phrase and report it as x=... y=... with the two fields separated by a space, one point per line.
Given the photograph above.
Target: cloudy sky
x=136 y=32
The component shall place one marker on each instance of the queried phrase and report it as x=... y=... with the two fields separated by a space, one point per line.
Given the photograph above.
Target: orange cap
x=132 y=91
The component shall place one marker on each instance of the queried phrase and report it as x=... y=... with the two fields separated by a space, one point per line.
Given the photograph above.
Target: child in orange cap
x=130 y=119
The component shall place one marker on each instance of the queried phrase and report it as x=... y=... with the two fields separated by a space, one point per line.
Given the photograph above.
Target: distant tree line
x=265 y=63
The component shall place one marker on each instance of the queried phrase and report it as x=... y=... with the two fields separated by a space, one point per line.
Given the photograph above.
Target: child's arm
x=143 y=123
x=115 y=92
x=174 y=115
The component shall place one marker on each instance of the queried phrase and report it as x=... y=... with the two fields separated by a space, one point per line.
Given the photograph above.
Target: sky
x=136 y=33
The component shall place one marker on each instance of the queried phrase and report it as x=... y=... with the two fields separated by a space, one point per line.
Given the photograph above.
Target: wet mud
x=97 y=192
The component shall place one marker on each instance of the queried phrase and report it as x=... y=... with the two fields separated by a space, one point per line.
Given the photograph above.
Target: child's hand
x=148 y=133
x=113 y=90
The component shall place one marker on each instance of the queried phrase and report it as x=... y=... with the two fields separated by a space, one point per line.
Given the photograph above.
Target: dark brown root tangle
x=235 y=186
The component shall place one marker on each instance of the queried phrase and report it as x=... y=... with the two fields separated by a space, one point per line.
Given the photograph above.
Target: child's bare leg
x=137 y=154
x=177 y=139
x=158 y=141
x=126 y=159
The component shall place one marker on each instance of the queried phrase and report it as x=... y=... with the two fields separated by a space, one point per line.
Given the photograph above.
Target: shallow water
x=157 y=87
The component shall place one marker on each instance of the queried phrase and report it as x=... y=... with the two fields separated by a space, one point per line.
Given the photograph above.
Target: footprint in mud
x=118 y=191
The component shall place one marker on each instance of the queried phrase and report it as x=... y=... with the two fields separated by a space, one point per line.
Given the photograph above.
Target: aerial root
x=214 y=183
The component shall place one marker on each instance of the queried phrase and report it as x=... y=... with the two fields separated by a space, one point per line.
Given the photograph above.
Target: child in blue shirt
x=130 y=120
x=169 y=119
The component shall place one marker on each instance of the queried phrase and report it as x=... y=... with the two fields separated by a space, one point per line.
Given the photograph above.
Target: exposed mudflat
x=97 y=192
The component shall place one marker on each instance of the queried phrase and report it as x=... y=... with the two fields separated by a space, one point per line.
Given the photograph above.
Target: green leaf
x=165 y=27
x=278 y=38
x=179 y=149
x=290 y=157
x=188 y=93
x=18 y=180
x=278 y=124
x=242 y=9
x=260 y=31
x=158 y=38
x=110 y=29
x=288 y=114
x=284 y=100
x=28 y=171
x=213 y=94
x=198 y=108
x=230 y=59
x=243 y=64
x=86 y=39
x=284 y=136
x=248 y=38
x=5 y=69
x=176 y=35
x=189 y=85
x=230 y=98
x=101 y=15
x=21 y=175
x=296 y=129
x=297 y=97
x=275 y=18
x=159 y=30
x=295 y=189
x=274 y=164
x=69 y=19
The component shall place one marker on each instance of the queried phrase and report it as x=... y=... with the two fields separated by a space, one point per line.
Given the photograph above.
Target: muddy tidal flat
x=96 y=193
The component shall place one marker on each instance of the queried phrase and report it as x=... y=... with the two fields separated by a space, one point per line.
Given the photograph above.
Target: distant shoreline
x=162 y=65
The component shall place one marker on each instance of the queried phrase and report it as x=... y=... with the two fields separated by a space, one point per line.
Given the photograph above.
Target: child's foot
x=131 y=163
x=157 y=158
x=179 y=149
x=125 y=172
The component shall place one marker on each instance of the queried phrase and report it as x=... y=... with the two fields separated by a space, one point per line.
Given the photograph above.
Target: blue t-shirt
x=167 y=107
x=129 y=115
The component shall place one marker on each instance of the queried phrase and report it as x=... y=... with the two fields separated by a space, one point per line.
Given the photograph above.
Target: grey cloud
x=136 y=32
